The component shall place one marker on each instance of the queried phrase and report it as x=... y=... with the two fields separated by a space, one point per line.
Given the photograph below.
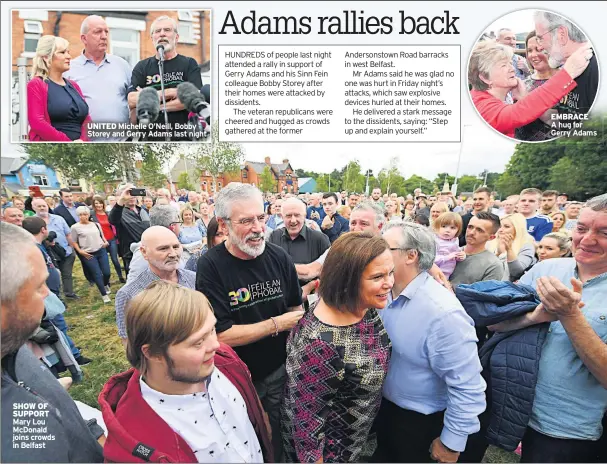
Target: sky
x=481 y=147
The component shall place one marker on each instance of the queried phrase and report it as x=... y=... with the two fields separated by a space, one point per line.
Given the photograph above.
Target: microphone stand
x=164 y=102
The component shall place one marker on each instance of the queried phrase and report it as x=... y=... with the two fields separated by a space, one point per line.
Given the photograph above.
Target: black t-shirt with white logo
x=580 y=99
x=180 y=69
x=248 y=292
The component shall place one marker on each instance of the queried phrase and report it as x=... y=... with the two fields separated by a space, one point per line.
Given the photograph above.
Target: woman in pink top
x=56 y=109
x=491 y=76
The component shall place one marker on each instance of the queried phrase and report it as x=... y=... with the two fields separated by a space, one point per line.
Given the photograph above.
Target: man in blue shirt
x=103 y=78
x=538 y=225
x=434 y=391
x=64 y=238
x=571 y=390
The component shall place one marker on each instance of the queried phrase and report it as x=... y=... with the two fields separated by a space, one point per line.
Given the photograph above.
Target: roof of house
x=11 y=165
x=259 y=167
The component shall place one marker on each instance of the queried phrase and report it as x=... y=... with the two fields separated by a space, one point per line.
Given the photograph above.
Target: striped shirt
x=133 y=288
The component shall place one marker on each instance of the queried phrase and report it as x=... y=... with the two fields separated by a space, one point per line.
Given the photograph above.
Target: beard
x=17 y=330
x=555 y=58
x=179 y=375
x=243 y=246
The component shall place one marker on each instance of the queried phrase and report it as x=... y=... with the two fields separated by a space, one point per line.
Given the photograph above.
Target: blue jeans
x=99 y=269
x=60 y=323
x=114 y=255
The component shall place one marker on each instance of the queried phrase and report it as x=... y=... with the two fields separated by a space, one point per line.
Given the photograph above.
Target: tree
x=151 y=174
x=390 y=179
x=439 y=180
x=322 y=183
x=466 y=183
x=353 y=180
x=302 y=173
x=576 y=165
x=100 y=161
x=218 y=157
x=267 y=180
x=416 y=181
x=183 y=181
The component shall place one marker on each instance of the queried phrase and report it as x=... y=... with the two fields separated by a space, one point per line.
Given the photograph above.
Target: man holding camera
x=130 y=221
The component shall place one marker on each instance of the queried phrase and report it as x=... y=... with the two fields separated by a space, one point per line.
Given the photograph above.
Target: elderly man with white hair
x=104 y=78
x=434 y=390
x=560 y=38
x=253 y=289
x=303 y=244
x=164 y=34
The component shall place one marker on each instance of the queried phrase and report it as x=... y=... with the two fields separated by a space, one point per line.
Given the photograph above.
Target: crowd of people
x=324 y=327
x=64 y=95
x=523 y=97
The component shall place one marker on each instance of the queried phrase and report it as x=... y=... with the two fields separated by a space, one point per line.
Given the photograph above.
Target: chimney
x=267 y=160
x=285 y=161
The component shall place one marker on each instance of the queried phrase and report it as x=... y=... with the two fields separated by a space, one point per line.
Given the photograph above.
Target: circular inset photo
x=533 y=76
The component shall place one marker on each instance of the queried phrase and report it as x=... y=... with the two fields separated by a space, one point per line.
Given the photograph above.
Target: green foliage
x=151 y=174
x=416 y=181
x=576 y=165
x=101 y=161
x=183 y=182
x=353 y=180
x=267 y=180
x=218 y=157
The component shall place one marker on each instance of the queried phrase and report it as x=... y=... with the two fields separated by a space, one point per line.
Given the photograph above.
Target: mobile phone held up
x=138 y=192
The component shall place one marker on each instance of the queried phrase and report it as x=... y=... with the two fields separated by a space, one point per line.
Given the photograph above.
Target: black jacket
x=26 y=381
x=62 y=211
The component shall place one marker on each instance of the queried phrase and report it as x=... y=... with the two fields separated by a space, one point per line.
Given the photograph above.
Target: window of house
x=74 y=183
x=40 y=180
x=125 y=44
x=185 y=28
x=244 y=174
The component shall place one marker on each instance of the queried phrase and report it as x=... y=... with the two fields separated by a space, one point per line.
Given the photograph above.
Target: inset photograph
x=533 y=75
x=111 y=76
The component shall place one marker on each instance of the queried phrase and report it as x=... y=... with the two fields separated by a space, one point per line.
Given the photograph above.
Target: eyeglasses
x=175 y=222
x=540 y=37
x=248 y=222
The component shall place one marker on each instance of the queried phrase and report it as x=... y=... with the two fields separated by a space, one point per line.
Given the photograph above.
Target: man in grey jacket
x=40 y=422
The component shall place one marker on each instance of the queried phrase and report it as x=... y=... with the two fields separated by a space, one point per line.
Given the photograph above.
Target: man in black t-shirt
x=177 y=69
x=560 y=39
x=254 y=291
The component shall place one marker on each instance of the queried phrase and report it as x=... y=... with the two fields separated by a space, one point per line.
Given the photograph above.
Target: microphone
x=148 y=106
x=191 y=98
x=160 y=50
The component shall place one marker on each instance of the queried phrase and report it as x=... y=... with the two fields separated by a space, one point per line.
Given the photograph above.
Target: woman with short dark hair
x=338 y=355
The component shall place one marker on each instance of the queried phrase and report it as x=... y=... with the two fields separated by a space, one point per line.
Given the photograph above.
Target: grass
x=93 y=328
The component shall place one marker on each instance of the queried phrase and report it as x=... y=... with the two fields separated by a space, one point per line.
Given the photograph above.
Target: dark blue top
x=66 y=108
x=53 y=282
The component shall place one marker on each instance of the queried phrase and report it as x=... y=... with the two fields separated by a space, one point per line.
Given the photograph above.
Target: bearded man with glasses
x=254 y=291
x=560 y=39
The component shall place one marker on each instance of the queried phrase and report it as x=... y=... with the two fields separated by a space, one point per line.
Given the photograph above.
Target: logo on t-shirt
x=255 y=293
x=169 y=78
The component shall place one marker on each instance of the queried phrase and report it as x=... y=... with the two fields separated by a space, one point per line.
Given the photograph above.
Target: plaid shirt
x=130 y=290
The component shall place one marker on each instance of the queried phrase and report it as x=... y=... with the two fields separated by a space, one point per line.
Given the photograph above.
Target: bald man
x=104 y=78
x=303 y=244
x=162 y=250
x=14 y=216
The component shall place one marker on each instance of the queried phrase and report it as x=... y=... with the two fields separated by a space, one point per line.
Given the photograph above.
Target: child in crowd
x=447 y=228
